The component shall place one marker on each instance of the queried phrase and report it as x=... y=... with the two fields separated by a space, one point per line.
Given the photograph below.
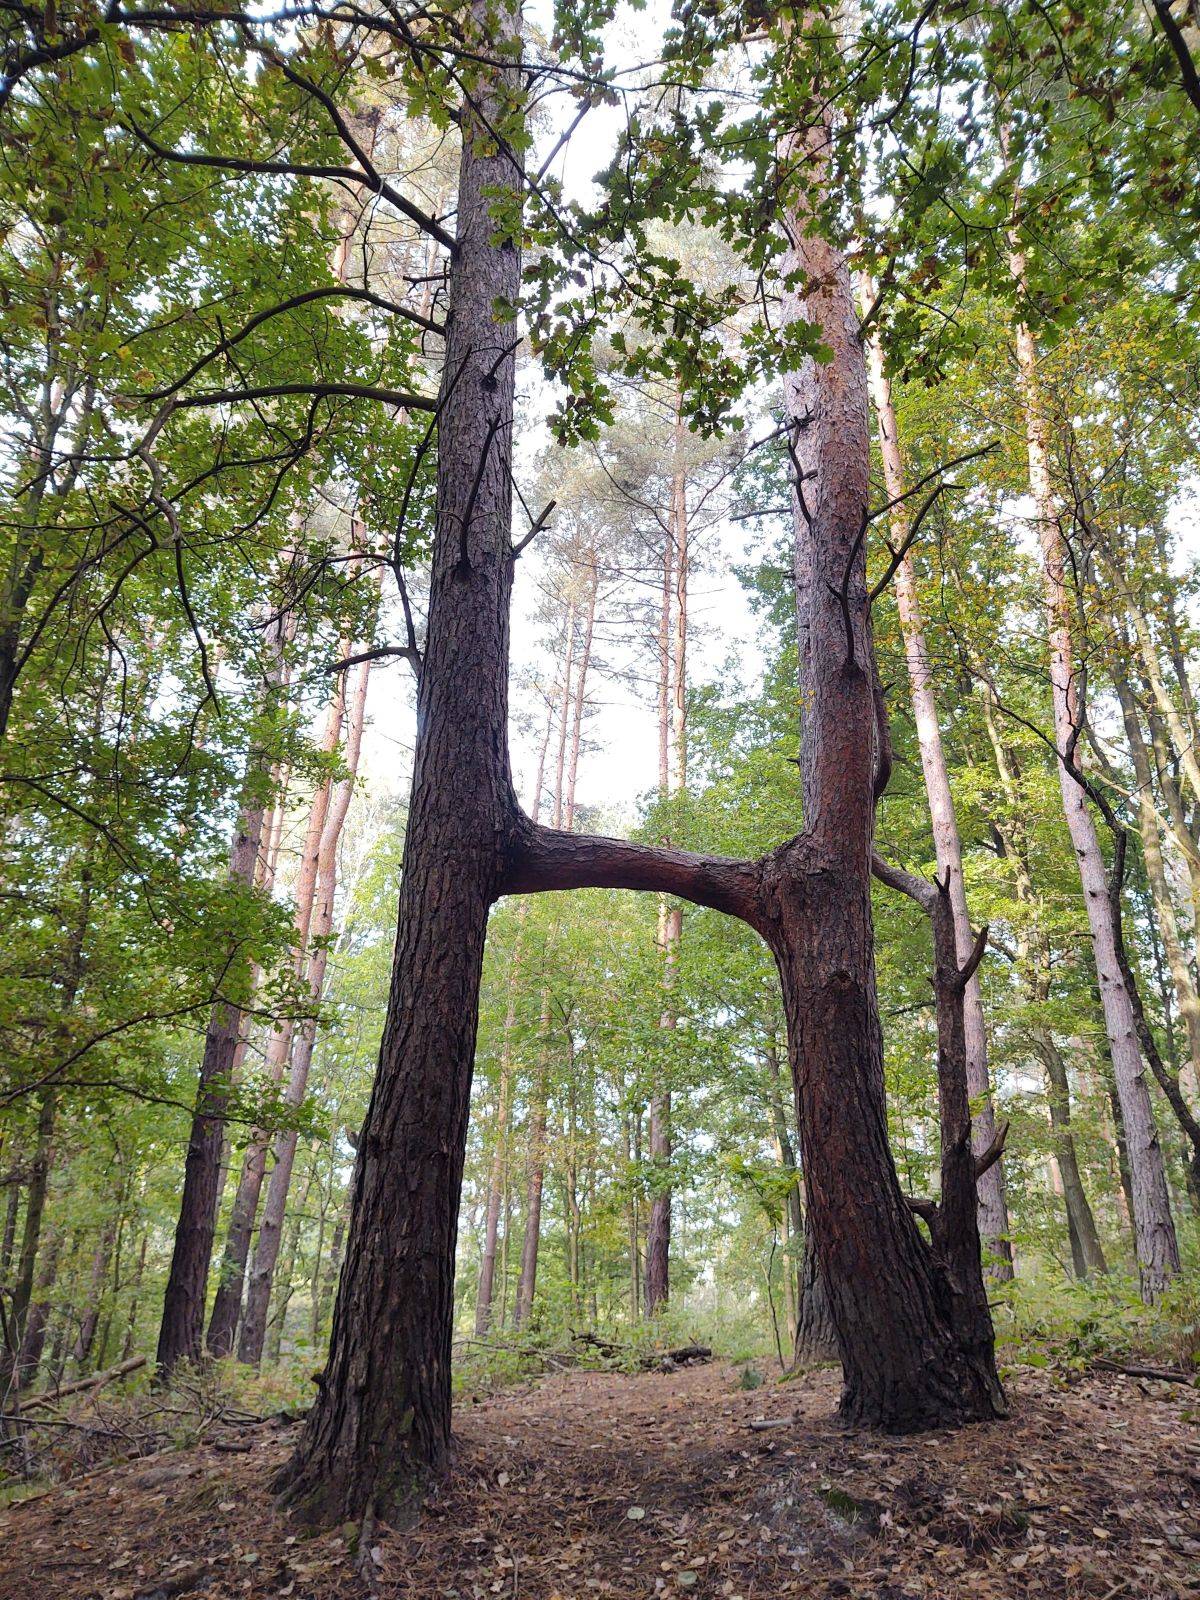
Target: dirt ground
x=590 y=1484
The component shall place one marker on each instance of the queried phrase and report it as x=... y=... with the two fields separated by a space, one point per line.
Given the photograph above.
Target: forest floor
x=603 y=1484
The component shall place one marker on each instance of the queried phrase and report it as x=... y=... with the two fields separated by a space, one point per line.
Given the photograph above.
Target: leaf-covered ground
x=592 y=1484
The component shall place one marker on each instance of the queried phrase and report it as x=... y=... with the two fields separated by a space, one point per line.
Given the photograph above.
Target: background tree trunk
x=993 y=1206
x=258 y=1292
x=227 y=1305
x=1154 y=1231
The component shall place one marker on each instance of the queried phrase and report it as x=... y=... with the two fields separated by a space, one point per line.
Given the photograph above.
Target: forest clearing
x=600 y=798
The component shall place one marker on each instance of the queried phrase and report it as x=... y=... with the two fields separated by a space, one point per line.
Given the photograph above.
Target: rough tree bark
x=381 y=1422
x=34 y=1341
x=993 y=1206
x=905 y=1361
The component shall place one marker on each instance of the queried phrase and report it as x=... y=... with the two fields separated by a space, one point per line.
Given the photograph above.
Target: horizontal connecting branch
x=543 y=859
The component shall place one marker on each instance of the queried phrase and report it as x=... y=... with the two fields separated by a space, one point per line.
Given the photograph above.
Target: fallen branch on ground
x=51 y=1398
x=1165 y=1374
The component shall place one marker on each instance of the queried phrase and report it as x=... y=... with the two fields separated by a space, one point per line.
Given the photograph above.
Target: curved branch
x=918 y=889
x=321 y=391
x=328 y=292
x=989 y=1157
x=542 y=859
x=301 y=169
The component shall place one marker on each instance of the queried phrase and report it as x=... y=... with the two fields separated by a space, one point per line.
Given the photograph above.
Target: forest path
x=602 y=1484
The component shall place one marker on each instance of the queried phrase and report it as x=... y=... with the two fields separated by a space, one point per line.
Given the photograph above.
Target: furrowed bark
x=381 y=1422
x=905 y=1365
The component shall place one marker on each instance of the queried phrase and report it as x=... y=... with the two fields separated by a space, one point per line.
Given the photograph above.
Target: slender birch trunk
x=1156 y=876
x=1154 y=1230
x=673 y=746
x=993 y=1205
x=1035 y=957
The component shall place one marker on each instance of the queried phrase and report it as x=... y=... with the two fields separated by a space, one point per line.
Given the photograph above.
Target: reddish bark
x=381 y=1422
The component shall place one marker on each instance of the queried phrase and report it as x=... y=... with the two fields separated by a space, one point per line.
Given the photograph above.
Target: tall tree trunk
x=907 y=1361
x=31 y=1235
x=993 y=1206
x=34 y=1341
x=1154 y=1231
x=381 y=1422
x=262 y=1273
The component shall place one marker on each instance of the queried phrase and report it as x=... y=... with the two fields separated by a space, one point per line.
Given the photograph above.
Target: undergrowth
x=1045 y=1322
